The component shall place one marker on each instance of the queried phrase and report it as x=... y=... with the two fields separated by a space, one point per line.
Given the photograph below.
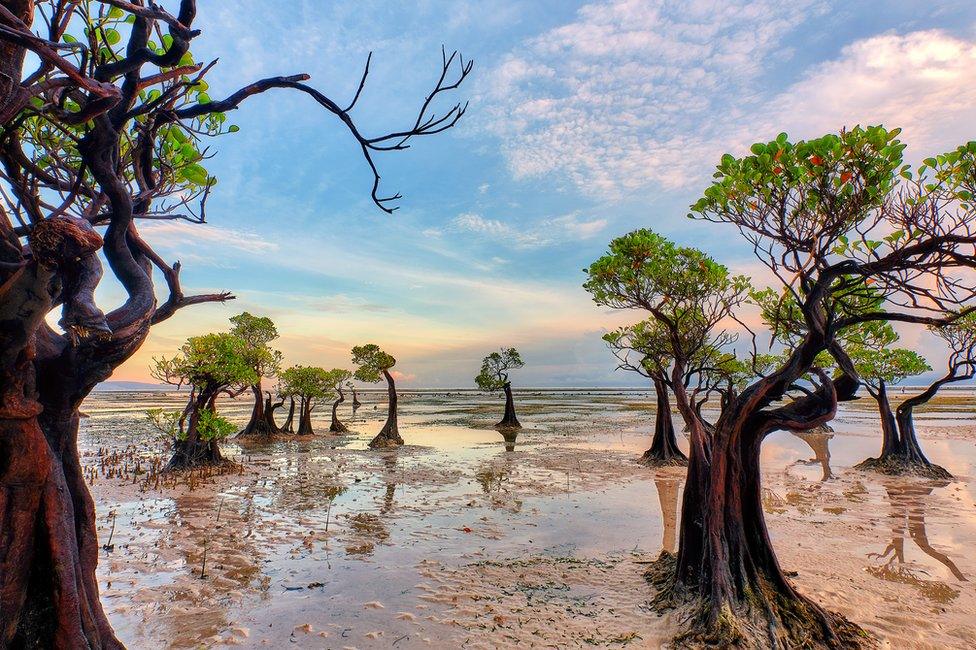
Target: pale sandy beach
x=454 y=541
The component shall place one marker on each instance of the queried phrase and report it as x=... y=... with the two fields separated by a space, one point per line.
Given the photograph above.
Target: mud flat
x=461 y=539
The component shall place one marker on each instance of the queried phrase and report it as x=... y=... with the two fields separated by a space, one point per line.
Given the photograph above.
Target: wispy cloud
x=547 y=232
x=612 y=99
x=923 y=81
x=636 y=93
x=188 y=237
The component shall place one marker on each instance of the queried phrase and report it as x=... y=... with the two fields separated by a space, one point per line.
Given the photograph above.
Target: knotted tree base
x=187 y=455
x=764 y=617
x=660 y=458
x=902 y=466
x=386 y=440
x=261 y=429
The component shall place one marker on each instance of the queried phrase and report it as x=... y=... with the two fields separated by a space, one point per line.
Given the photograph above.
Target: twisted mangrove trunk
x=337 y=426
x=664 y=445
x=389 y=435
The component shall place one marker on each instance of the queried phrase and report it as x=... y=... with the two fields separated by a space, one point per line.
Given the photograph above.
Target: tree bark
x=901 y=452
x=355 y=399
x=389 y=435
x=289 y=425
x=269 y=409
x=48 y=541
x=337 y=426
x=305 y=418
x=664 y=445
x=726 y=572
x=509 y=421
x=193 y=451
x=258 y=425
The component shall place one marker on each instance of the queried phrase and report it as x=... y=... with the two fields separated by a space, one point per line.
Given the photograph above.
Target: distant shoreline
x=138 y=387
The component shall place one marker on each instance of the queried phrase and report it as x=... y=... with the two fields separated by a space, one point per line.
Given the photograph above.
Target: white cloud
x=188 y=236
x=614 y=99
x=543 y=233
x=633 y=93
x=924 y=82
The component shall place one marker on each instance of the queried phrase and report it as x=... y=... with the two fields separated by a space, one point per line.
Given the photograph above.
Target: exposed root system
x=763 y=617
x=898 y=466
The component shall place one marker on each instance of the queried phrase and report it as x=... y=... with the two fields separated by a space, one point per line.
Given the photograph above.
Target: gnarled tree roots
x=386 y=441
x=764 y=616
x=654 y=458
x=901 y=466
x=190 y=456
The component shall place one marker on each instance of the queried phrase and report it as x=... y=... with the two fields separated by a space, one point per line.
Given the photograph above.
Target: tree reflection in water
x=908 y=506
x=819 y=442
x=667 y=492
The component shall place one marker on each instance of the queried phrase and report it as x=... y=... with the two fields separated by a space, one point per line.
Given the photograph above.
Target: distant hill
x=125 y=386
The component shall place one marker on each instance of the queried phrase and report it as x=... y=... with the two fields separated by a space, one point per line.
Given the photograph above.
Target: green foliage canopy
x=684 y=289
x=644 y=270
x=306 y=382
x=212 y=426
x=649 y=340
x=371 y=362
x=495 y=367
x=257 y=332
x=336 y=377
x=888 y=365
x=207 y=363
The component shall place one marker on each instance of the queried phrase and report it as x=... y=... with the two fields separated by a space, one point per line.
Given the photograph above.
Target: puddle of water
x=455 y=540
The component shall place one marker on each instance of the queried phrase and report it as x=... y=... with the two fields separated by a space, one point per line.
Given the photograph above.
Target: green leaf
x=233 y=128
x=196 y=174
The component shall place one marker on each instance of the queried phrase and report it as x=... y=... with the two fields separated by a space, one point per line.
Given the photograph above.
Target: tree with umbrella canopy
x=373 y=365
x=210 y=365
x=307 y=384
x=901 y=452
x=648 y=340
x=257 y=332
x=494 y=377
x=837 y=220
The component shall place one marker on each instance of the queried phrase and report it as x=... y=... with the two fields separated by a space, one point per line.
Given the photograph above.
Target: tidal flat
x=461 y=538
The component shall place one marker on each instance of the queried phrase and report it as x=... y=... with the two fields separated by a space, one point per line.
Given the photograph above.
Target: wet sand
x=455 y=540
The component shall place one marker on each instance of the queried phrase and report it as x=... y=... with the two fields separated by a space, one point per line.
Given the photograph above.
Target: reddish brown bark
x=725 y=563
x=901 y=452
x=664 y=445
x=305 y=417
x=509 y=420
x=260 y=423
x=336 y=426
x=289 y=425
x=48 y=547
x=389 y=435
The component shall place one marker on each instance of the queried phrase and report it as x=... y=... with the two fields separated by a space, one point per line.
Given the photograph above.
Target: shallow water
x=453 y=539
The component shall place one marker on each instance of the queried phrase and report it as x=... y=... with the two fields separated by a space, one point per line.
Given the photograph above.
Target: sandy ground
x=456 y=541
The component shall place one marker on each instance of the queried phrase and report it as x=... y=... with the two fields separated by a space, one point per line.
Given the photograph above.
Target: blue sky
x=586 y=120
